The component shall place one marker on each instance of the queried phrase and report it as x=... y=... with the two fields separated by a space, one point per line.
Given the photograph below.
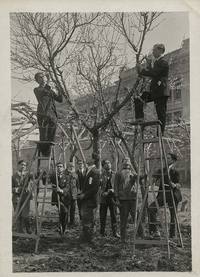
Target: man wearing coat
x=19 y=179
x=107 y=199
x=66 y=190
x=46 y=110
x=88 y=197
x=172 y=189
x=80 y=179
x=125 y=192
x=157 y=70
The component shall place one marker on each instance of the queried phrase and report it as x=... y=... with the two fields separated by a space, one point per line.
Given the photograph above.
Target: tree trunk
x=96 y=148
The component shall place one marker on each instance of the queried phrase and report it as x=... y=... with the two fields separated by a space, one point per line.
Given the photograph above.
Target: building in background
x=178 y=104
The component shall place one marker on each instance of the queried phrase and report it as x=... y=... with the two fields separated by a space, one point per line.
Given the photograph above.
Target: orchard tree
x=82 y=54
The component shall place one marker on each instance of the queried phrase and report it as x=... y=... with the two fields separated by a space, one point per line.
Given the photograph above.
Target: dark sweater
x=46 y=98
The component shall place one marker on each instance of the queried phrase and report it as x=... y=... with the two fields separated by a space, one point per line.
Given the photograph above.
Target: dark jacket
x=67 y=182
x=174 y=177
x=90 y=187
x=125 y=191
x=80 y=180
x=46 y=98
x=18 y=183
x=159 y=78
x=107 y=182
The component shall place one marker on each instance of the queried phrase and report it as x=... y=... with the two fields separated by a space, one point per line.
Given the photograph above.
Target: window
x=169 y=118
x=177 y=89
x=177 y=116
x=170 y=95
x=177 y=94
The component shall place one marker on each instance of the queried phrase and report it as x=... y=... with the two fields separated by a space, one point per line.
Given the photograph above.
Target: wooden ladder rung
x=44 y=158
x=149 y=242
x=47 y=216
x=152 y=158
x=152 y=140
x=45 y=188
x=24 y=235
x=46 y=202
x=144 y=123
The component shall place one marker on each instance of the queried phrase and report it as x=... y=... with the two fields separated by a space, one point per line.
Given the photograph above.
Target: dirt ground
x=107 y=254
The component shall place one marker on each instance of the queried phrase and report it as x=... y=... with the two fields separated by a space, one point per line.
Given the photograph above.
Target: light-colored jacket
x=124 y=185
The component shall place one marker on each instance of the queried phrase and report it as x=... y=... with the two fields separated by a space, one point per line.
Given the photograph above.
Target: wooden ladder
x=39 y=201
x=145 y=169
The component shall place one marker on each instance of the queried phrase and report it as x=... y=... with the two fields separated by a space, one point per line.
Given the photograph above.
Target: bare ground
x=107 y=254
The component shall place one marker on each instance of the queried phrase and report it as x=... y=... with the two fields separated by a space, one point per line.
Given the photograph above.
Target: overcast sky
x=174 y=27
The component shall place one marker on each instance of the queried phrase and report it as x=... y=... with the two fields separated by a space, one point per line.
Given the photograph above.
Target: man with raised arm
x=157 y=69
x=46 y=110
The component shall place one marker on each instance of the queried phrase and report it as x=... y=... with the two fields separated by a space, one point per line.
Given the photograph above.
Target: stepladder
x=156 y=208
x=39 y=190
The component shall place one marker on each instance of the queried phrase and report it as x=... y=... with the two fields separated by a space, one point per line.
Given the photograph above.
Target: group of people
x=155 y=69
x=89 y=191
x=86 y=186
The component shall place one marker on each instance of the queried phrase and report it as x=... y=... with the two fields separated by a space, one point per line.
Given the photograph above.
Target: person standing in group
x=157 y=69
x=66 y=191
x=19 y=179
x=80 y=179
x=88 y=198
x=172 y=190
x=107 y=199
x=46 y=110
x=125 y=192
x=70 y=171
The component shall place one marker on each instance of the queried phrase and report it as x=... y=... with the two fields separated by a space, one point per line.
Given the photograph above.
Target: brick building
x=178 y=104
x=178 y=108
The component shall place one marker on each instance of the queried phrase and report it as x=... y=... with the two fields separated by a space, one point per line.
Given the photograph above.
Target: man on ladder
x=46 y=110
x=172 y=190
x=157 y=69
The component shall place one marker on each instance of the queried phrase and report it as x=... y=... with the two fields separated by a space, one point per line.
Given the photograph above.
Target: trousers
x=47 y=128
x=153 y=212
x=23 y=218
x=79 y=207
x=160 y=104
x=64 y=215
x=103 y=214
x=72 y=211
x=87 y=220
x=126 y=207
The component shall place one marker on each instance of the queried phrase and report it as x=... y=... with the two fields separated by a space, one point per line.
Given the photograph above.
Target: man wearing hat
x=21 y=179
x=172 y=189
x=66 y=190
x=107 y=198
x=88 y=198
x=124 y=187
x=157 y=70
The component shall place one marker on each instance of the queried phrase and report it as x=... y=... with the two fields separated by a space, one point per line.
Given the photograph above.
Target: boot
x=114 y=230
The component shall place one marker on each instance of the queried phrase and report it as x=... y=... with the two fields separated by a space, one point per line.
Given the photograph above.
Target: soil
x=107 y=254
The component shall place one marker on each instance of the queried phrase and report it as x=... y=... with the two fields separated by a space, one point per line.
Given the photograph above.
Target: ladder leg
x=36 y=212
x=58 y=197
x=163 y=188
x=136 y=206
x=172 y=195
x=16 y=212
x=40 y=217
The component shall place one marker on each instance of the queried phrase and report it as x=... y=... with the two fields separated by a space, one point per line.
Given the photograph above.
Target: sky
x=173 y=28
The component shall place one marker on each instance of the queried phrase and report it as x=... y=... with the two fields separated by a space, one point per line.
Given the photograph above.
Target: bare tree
x=83 y=45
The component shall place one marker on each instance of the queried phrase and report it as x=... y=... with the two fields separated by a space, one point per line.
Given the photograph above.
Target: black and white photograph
x=100 y=141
